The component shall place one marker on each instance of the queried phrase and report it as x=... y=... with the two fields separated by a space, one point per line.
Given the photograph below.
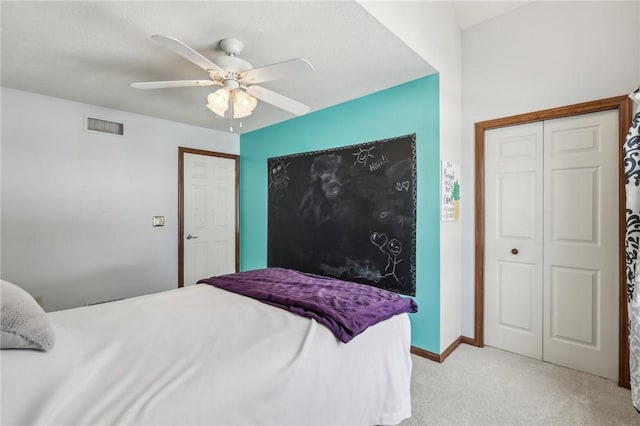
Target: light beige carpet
x=487 y=386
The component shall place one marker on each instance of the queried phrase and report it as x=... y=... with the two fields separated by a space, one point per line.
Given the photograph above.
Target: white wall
x=431 y=30
x=540 y=56
x=77 y=206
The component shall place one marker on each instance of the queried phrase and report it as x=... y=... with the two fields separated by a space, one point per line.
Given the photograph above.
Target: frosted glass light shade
x=218 y=101
x=243 y=104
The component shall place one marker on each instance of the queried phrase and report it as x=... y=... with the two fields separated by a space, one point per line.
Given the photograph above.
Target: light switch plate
x=158 y=221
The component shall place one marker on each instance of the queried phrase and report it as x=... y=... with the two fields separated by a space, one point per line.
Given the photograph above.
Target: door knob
x=189 y=236
x=514 y=251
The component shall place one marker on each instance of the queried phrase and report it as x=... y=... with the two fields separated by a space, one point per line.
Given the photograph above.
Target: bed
x=205 y=355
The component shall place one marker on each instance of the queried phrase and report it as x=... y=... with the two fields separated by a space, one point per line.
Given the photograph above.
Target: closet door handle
x=189 y=236
x=514 y=251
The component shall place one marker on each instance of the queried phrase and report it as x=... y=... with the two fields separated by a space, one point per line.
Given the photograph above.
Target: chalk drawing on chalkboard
x=278 y=177
x=363 y=155
x=402 y=186
x=391 y=248
x=325 y=185
x=378 y=164
x=354 y=269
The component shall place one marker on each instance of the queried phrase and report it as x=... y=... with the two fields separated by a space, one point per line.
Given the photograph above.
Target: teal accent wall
x=408 y=108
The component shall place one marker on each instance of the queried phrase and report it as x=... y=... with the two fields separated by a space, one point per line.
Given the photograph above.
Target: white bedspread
x=200 y=355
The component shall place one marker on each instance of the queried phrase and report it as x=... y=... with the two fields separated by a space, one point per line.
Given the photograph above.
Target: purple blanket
x=346 y=308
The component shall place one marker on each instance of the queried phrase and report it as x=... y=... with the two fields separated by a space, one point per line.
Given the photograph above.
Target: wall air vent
x=104 y=126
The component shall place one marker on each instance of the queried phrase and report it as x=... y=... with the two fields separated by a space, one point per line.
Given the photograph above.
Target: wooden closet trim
x=624 y=106
x=181 y=152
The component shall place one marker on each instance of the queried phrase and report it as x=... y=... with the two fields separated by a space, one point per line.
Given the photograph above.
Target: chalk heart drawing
x=402 y=186
x=379 y=240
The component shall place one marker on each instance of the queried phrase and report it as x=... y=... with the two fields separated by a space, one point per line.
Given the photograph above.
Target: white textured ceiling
x=470 y=13
x=92 y=51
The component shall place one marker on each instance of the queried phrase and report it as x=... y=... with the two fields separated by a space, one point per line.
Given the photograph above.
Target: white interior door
x=513 y=221
x=551 y=241
x=581 y=243
x=210 y=217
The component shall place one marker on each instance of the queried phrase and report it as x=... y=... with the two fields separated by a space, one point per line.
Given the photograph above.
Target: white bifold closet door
x=551 y=241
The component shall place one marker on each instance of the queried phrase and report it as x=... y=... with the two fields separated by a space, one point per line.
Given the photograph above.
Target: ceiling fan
x=237 y=96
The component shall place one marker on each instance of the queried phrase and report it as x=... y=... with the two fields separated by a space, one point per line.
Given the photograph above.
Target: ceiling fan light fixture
x=243 y=103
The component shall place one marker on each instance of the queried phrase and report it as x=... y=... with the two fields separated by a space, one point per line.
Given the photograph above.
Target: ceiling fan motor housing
x=232 y=63
x=231 y=46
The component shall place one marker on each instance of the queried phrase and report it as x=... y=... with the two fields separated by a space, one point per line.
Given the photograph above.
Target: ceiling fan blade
x=186 y=52
x=286 y=69
x=278 y=100
x=171 y=84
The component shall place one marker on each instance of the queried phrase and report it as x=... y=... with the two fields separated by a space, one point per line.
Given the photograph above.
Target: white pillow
x=25 y=325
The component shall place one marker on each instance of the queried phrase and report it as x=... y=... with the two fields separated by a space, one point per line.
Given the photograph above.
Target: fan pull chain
x=231 y=104
x=231 y=125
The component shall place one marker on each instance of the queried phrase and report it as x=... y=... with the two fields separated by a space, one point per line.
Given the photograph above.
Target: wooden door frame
x=624 y=107
x=181 y=152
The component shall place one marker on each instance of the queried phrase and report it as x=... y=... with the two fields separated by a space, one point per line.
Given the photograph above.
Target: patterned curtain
x=632 y=240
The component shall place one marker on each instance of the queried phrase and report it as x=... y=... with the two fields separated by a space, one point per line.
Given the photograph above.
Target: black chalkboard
x=348 y=213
